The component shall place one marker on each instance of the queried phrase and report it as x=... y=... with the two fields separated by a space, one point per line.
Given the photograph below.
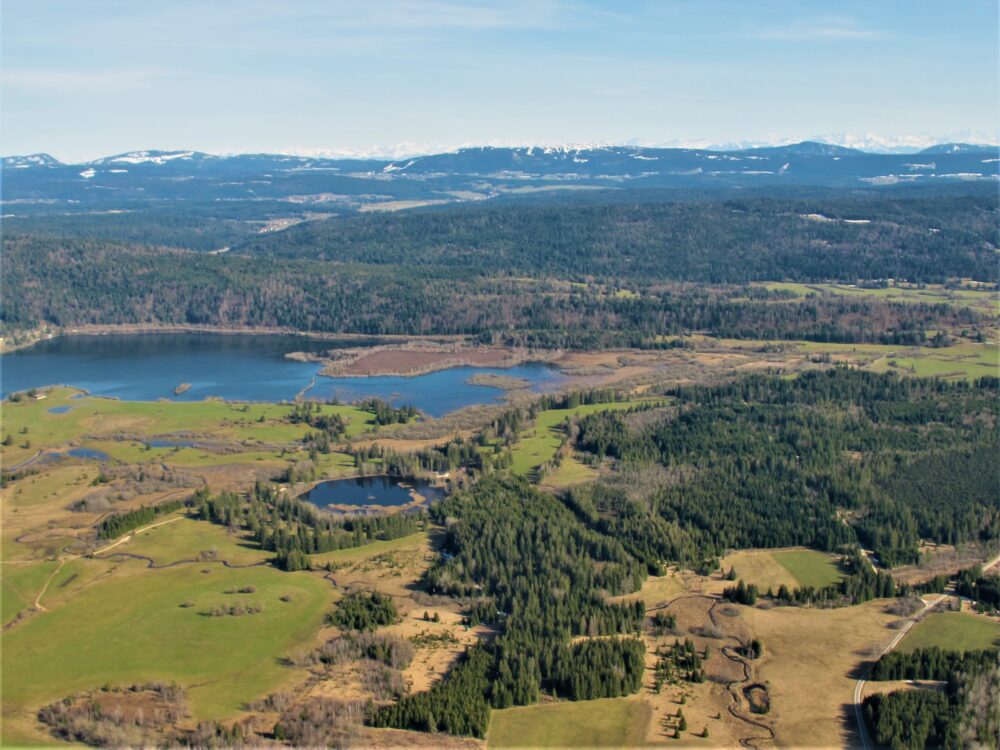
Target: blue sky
x=86 y=78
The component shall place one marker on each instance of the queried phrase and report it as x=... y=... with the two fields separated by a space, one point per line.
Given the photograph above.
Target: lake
x=237 y=367
x=380 y=491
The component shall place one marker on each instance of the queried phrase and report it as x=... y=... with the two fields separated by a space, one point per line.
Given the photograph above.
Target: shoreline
x=417 y=357
x=46 y=334
x=394 y=355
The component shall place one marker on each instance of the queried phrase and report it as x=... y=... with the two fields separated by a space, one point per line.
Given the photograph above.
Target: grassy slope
x=609 y=722
x=131 y=627
x=959 y=631
x=540 y=443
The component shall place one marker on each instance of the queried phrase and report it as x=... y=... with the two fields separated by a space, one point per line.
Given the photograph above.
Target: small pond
x=367 y=491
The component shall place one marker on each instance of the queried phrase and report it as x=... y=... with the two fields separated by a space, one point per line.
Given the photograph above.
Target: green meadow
x=257 y=427
x=954 y=631
x=132 y=627
x=608 y=722
x=540 y=443
x=808 y=567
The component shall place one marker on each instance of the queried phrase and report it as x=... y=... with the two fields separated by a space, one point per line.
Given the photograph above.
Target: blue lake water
x=147 y=367
x=380 y=491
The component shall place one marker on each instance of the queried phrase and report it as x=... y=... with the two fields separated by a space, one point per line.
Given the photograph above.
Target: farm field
x=959 y=631
x=793 y=568
x=605 y=723
x=185 y=539
x=808 y=567
x=963 y=361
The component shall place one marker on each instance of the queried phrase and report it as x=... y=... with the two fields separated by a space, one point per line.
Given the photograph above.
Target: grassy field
x=131 y=627
x=984 y=301
x=964 y=361
x=808 y=567
x=793 y=568
x=540 y=443
x=957 y=631
x=252 y=424
x=21 y=583
x=808 y=663
x=569 y=473
x=609 y=722
x=186 y=538
x=354 y=554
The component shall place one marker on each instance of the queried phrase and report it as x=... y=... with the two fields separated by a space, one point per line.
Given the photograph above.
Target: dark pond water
x=380 y=491
x=87 y=453
x=146 y=367
x=59 y=409
x=168 y=443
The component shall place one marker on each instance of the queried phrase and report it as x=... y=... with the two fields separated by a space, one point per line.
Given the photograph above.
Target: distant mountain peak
x=809 y=148
x=150 y=157
x=30 y=160
x=958 y=148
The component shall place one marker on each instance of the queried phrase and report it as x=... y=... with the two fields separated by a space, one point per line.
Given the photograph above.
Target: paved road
x=859 y=688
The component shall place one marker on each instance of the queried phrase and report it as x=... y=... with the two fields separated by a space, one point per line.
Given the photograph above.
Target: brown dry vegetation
x=811 y=658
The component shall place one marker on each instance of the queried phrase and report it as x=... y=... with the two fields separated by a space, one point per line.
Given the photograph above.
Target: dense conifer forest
x=823 y=460
x=501 y=272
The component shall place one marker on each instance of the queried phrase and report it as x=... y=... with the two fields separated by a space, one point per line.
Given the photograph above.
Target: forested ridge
x=824 y=459
x=69 y=282
x=730 y=241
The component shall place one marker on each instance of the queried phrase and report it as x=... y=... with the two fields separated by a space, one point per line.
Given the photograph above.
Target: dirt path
x=131 y=535
x=38 y=599
x=37 y=605
x=859 y=687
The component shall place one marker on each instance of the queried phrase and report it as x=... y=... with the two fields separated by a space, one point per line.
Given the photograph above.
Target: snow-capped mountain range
x=478 y=172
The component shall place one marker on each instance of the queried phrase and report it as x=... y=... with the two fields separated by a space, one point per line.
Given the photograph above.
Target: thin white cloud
x=810 y=30
x=77 y=81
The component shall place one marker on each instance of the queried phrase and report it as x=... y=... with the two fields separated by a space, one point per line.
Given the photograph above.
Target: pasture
x=808 y=567
x=793 y=568
x=608 y=722
x=956 y=631
x=139 y=625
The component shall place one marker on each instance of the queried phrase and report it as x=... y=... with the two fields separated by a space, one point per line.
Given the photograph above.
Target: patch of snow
x=143 y=157
x=932 y=165
x=87 y=173
x=393 y=168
